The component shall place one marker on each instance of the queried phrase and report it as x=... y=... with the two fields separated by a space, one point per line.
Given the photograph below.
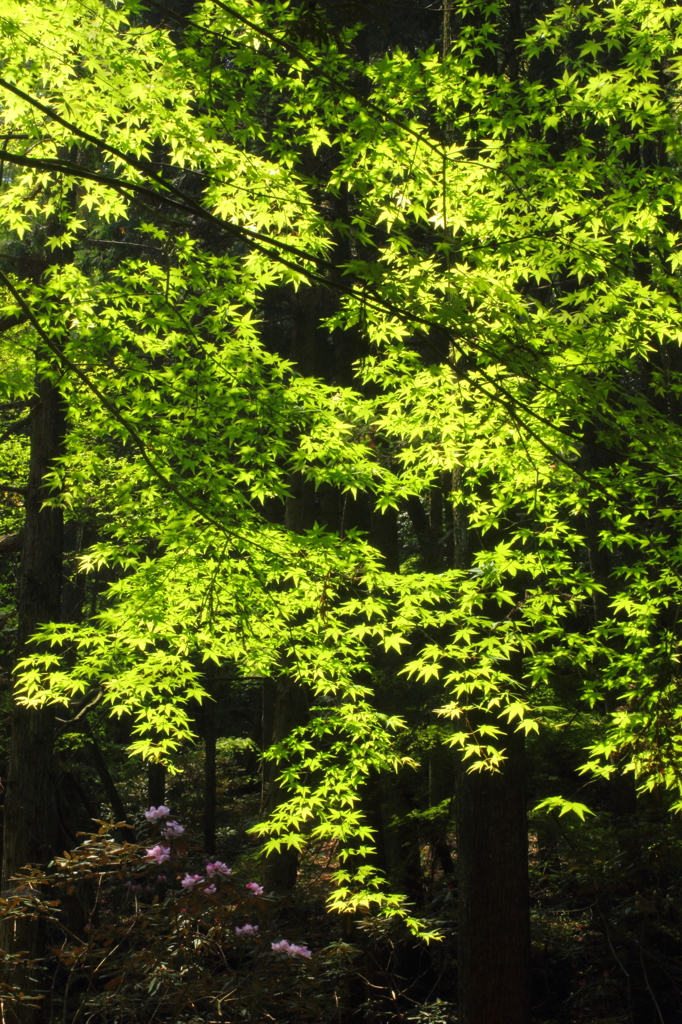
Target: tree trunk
x=210 y=735
x=110 y=788
x=156 y=784
x=494 y=922
x=30 y=813
x=492 y=859
x=441 y=766
x=290 y=710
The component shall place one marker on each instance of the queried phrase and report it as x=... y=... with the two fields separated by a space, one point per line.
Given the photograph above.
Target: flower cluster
x=247 y=929
x=172 y=829
x=158 y=853
x=216 y=867
x=189 y=881
x=155 y=813
x=290 y=948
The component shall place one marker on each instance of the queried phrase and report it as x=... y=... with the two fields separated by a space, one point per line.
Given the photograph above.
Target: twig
x=20 y=403
x=653 y=997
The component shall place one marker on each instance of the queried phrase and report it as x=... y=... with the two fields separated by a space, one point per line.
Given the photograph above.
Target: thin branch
x=20 y=403
x=10 y=542
x=6 y=324
x=650 y=990
x=108 y=405
x=15 y=428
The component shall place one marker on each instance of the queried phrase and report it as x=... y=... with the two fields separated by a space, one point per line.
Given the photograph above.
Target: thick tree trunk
x=156 y=784
x=492 y=859
x=285 y=705
x=290 y=710
x=30 y=812
x=494 y=922
x=401 y=852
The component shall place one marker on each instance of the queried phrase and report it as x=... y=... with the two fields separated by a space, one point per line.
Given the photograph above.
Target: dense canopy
x=367 y=357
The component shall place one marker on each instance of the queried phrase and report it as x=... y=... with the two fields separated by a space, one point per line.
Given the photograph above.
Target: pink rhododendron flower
x=154 y=813
x=209 y=889
x=189 y=880
x=216 y=867
x=158 y=853
x=290 y=948
x=255 y=888
x=246 y=929
x=172 y=828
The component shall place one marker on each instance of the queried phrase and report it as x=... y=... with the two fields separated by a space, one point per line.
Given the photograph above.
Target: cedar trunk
x=494 y=922
x=30 y=810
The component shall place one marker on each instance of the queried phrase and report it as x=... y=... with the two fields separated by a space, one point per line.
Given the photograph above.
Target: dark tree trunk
x=290 y=710
x=110 y=788
x=401 y=852
x=441 y=765
x=285 y=705
x=210 y=735
x=156 y=784
x=492 y=858
x=494 y=922
x=30 y=811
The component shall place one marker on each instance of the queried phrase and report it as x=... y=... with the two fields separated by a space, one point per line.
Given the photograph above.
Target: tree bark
x=492 y=857
x=494 y=921
x=210 y=735
x=156 y=784
x=30 y=811
x=110 y=788
x=290 y=710
x=441 y=767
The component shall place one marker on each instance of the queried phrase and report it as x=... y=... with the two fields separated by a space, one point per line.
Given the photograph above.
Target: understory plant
x=147 y=932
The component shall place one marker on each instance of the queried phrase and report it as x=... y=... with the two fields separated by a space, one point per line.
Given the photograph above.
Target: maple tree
x=495 y=251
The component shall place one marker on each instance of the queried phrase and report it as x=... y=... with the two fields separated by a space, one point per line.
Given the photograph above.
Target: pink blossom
x=154 y=813
x=246 y=929
x=189 y=880
x=299 y=950
x=216 y=867
x=158 y=853
x=255 y=888
x=290 y=948
x=172 y=828
x=209 y=889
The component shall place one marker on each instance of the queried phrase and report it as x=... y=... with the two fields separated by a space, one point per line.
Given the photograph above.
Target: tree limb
x=10 y=542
